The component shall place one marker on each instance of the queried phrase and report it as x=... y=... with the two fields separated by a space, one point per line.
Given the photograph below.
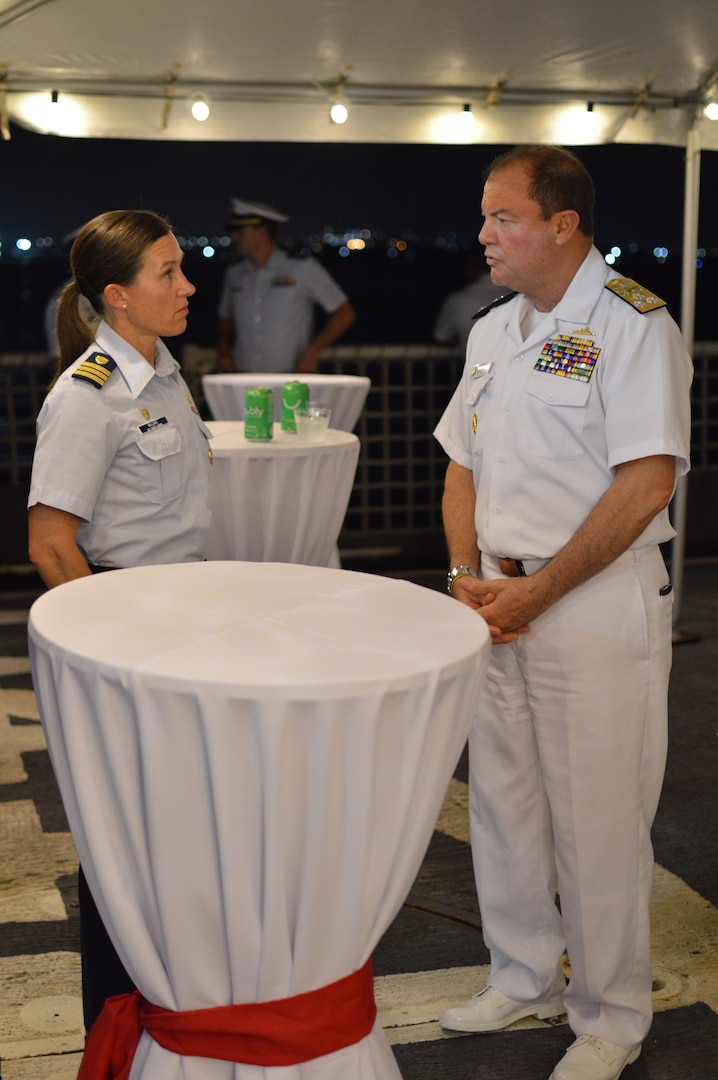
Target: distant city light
x=408 y=243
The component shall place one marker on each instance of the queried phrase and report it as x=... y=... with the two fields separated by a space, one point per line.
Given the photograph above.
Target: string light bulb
x=339 y=114
x=200 y=109
x=466 y=121
x=339 y=110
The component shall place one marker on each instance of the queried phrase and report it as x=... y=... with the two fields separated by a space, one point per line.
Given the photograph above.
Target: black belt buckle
x=520 y=567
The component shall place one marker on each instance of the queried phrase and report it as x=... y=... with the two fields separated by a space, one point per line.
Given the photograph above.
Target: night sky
x=50 y=185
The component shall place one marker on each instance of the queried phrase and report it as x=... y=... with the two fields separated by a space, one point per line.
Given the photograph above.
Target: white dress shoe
x=491 y=1010
x=591 y=1058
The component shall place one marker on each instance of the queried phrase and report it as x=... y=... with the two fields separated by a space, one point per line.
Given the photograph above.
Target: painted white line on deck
x=683 y=946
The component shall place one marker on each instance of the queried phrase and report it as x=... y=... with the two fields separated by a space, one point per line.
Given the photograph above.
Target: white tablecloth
x=279 y=501
x=252 y=758
x=344 y=394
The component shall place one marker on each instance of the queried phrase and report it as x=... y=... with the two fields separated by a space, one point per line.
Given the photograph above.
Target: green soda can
x=295 y=395
x=259 y=413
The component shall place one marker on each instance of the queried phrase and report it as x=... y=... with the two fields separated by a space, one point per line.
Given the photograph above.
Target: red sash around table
x=287 y=1031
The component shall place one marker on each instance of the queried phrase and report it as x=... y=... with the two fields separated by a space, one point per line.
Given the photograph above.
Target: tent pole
x=688 y=311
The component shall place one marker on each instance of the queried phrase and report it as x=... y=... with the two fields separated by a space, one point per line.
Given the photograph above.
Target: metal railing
x=400 y=476
x=704 y=403
x=24 y=379
x=399 y=482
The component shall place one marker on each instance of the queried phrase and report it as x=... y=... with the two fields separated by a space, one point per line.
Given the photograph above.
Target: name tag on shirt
x=153 y=424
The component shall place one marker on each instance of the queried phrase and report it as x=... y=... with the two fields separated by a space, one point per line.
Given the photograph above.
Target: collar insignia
x=494 y=304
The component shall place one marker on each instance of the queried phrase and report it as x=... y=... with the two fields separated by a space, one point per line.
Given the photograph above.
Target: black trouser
x=103 y=973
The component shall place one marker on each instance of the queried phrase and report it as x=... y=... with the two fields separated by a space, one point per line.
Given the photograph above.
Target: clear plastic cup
x=312 y=422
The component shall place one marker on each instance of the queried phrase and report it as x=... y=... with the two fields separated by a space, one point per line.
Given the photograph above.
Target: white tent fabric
x=269 y=69
x=462 y=71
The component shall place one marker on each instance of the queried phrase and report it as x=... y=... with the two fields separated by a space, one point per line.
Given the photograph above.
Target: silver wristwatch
x=457 y=572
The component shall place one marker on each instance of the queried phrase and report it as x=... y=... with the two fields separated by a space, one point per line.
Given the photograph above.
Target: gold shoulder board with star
x=641 y=299
x=96 y=369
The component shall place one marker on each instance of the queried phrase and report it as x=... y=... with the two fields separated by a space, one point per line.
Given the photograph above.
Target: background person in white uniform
x=266 y=310
x=566 y=434
x=121 y=469
x=456 y=314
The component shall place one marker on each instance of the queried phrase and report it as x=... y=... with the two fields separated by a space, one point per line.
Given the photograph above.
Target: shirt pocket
x=160 y=463
x=555 y=416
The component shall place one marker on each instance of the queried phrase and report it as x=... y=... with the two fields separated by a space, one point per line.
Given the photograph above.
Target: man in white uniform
x=454 y=321
x=566 y=434
x=266 y=311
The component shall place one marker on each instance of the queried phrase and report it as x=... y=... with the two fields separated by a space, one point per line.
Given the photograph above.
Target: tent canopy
x=407 y=69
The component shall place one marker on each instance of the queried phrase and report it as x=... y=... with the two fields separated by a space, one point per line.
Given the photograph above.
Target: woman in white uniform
x=121 y=469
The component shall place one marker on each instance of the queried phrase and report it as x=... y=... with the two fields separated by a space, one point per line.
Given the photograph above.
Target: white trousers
x=567 y=756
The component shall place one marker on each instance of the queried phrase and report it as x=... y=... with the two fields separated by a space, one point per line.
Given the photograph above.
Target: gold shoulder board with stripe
x=634 y=294
x=96 y=369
